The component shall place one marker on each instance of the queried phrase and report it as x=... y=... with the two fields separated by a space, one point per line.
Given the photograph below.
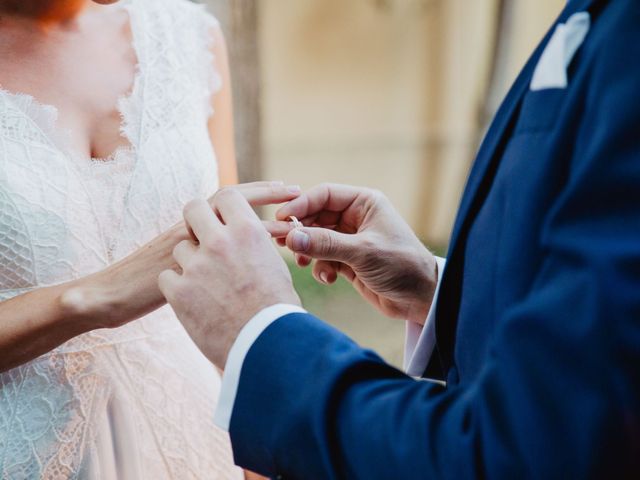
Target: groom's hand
x=228 y=274
x=357 y=233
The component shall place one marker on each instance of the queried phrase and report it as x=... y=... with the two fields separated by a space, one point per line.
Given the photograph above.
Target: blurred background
x=391 y=94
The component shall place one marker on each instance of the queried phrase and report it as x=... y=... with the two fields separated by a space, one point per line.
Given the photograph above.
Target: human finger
x=325 y=272
x=200 y=219
x=233 y=207
x=277 y=229
x=267 y=193
x=183 y=252
x=260 y=183
x=167 y=283
x=303 y=260
x=347 y=272
x=332 y=197
x=327 y=218
x=323 y=244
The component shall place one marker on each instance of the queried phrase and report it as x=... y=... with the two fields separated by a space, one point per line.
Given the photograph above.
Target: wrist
x=420 y=307
x=85 y=306
x=109 y=298
x=228 y=336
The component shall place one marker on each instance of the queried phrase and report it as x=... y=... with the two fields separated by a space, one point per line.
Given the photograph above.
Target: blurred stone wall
x=392 y=94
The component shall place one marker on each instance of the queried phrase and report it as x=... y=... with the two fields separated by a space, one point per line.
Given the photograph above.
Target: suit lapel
x=498 y=132
x=478 y=185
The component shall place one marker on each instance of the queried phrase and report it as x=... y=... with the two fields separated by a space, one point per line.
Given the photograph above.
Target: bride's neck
x=43 y=11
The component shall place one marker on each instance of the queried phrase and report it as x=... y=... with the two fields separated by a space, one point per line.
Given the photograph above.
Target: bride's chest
x=89 y=69
x=64 y=217
x=64 y=214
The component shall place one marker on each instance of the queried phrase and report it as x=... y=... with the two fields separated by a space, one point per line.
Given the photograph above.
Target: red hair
x=44 y=10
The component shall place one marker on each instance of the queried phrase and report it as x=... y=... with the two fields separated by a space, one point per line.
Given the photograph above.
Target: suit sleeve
x=241 y=346
x=559 y=396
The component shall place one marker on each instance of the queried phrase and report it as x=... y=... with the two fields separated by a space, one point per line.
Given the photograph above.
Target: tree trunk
x=239 y=19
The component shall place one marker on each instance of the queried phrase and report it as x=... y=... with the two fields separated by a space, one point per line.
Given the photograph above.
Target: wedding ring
x=295 y=223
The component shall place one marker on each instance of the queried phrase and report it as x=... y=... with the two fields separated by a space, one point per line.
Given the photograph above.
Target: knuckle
x=276 y=188
x=376 y=199
x=220 y=194
x=377 y=195
x=180 y=246
x=227 y=193
x=211 y=243
x=329 y=244
x=326 y=188
x=189 y=206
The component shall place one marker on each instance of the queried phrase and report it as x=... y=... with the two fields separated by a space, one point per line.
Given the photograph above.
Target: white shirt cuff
x=239 y=351
x=420 y=341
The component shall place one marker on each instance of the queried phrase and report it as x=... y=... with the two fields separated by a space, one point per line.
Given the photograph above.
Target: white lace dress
x=135 y=402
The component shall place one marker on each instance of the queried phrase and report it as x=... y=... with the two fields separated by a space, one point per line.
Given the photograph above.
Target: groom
x=533 y=326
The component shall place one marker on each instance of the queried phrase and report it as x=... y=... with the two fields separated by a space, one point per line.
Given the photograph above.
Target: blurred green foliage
x=341 y=306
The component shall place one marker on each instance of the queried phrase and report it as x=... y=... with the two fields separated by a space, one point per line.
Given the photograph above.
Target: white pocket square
x=551 y=71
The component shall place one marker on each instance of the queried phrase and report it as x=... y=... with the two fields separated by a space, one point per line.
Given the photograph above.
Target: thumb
x=322 y=244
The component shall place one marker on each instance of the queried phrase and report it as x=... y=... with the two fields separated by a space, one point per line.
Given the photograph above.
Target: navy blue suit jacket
x=538 y=319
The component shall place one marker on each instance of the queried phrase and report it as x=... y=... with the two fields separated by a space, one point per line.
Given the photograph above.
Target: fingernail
x=294 y=189
x=324 y=277
x=301 y=241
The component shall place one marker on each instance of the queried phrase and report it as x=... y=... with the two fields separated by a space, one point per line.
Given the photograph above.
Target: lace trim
x=52 y=409
x=199 y=28
x=44 y=116
x=131 y=106
x=211 y=74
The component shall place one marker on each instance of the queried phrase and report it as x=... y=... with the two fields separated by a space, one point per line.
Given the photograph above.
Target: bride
x=108 y=121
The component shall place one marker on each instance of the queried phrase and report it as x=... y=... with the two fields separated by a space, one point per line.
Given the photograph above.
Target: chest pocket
x=540 y=110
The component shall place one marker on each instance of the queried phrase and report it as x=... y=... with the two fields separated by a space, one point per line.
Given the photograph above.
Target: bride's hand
x=128 y=289
x=266 y=193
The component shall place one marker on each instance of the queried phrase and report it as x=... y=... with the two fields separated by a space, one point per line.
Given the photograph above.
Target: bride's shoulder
x=185 y=32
